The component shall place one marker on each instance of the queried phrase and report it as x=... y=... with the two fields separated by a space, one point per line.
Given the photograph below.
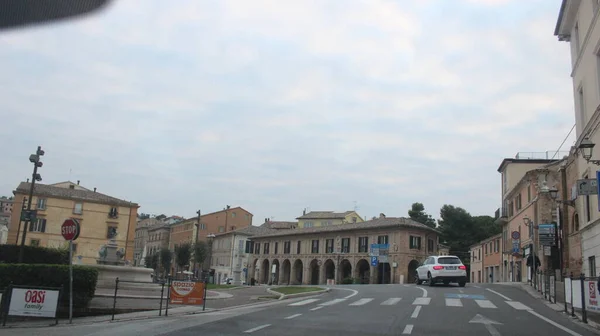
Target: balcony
x=501 y=215
x=548 y=155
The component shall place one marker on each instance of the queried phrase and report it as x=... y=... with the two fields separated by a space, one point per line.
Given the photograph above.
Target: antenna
x=70 y=171
x=356 y=206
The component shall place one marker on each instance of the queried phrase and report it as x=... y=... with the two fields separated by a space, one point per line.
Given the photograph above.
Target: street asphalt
x=496 y=310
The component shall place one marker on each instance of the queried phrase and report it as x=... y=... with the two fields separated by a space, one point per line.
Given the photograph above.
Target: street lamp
x=35 y=159
x=199 y=212
x=587 y=149
x=553 y=193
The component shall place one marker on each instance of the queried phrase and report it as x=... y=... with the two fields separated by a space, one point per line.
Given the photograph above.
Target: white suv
x=445 y=269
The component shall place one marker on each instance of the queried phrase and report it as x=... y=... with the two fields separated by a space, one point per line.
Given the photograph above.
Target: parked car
x=444 y=269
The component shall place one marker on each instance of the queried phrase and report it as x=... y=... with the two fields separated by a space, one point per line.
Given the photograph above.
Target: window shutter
x=43 y=225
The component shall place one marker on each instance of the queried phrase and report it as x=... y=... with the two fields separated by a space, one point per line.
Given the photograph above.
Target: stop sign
x=70 y=229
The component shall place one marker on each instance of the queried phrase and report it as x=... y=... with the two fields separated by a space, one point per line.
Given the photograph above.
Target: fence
x=582 y=293
x=545 y=284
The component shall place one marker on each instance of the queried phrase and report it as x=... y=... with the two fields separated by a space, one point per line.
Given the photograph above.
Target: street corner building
x=99 y=215
x=341 y=253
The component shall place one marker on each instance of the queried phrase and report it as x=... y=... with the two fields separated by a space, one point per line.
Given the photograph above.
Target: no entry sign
x=70 y=229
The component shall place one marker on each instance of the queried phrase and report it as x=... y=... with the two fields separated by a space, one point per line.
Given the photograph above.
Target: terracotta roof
x=74 y=194
x=279 y=225
x=378 y=223
x=325 y=215
x=249 y=231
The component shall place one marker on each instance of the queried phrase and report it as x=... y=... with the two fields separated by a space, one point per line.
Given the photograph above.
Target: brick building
x=228 y=219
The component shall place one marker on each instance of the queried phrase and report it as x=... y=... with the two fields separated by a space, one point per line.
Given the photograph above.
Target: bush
x=9 y=254
x=347 y=281
x=84 y=280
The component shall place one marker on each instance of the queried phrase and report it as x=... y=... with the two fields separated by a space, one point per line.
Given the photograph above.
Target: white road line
x=563 y=328
x=257 y=328
x=292 y=316
x=354 y=291
x=453 y=303
x=304 y=302
x=500 y=295
x=461 y=291
x=316 y=308
x=476 y=286
x=408 y=329
x=391 y=301
x=486 y=304
x=518 y=305
x=424 y=291
x=422 y=301
x=415 y=313
x=361 y=302
x=332 y=302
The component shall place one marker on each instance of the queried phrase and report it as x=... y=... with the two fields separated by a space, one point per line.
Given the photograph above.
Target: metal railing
x=547 y=155
x=581 y=293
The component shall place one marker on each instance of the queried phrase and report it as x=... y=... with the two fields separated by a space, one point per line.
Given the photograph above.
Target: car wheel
x=417 y=280
x=462 y=284
x=430 y=279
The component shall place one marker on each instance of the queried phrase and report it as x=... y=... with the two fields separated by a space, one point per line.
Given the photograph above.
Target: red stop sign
x=70 y=229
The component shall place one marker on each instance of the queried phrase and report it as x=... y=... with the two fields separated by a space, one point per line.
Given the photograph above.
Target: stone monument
x=110 y=254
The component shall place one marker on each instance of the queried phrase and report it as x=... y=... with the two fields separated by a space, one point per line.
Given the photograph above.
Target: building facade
x=326 y=218
x=228 y=219
x=476 y=267
x=577 y=24
x=158 y=238
x=341 y=253
x=140 y=250
x=98 y=214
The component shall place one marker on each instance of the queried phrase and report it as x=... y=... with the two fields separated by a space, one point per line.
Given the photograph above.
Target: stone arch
x=285 y=274
x=345 y=270
x=297 y=272
x=328 y=271
x=264 y=272
x=412 y=271
x=384 y=273
x=274 y=277
x=313 y=272
x=362 y=271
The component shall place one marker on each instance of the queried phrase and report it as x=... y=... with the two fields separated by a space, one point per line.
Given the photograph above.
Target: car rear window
x=449 y=261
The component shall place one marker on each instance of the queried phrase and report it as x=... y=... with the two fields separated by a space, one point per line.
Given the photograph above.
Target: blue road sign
x=374 y=261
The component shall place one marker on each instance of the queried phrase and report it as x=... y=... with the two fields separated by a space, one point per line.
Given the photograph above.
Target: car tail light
x=437 y=268
x=462 y=267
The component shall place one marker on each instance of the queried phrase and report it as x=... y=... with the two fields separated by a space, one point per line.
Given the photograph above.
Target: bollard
x=583 y=312
x=564 y=276
x=162 y=291
x=168 y=295
x=204 y=300
x=572 y=303
x=115 y=299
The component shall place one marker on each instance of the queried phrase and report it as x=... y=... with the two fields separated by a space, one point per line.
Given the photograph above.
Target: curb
x=291 y=296
x=151 y=297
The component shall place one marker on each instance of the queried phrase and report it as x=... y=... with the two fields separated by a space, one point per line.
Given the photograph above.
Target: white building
x=578 y=24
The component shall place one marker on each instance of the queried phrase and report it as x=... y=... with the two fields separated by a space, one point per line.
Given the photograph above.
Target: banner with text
x=187 y=293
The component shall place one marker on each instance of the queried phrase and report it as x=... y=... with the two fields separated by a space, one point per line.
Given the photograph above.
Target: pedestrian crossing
x=420 y=301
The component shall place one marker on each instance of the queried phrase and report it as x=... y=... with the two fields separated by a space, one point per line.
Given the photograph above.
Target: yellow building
x=326 y=218
x=98 y=214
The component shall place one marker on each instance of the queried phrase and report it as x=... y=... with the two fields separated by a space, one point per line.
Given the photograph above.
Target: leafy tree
x=151 y=261
x=144 y=216
x=200 y=250
x=183 y=254
x=165 y=259
x=161 y=217
x=417 y=213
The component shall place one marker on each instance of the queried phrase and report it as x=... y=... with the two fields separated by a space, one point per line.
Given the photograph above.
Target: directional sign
x=70 y=229
x=587 y=187
x=374 y=261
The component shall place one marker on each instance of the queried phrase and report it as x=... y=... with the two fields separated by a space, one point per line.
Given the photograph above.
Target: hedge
x=9 y=254
x=84 y=279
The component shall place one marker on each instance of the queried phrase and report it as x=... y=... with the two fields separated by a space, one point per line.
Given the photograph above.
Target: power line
x=563 y=142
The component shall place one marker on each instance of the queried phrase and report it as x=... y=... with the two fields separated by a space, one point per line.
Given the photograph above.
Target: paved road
x=495 y=310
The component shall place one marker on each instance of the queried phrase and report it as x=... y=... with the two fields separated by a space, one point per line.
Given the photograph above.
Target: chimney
x=77 y=182
x=94 y=189
x=27 y=180
x=304 y=212
x=382 y=215
x=228 y=206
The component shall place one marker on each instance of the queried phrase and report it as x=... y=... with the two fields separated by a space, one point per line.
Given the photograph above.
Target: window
x=276 y=248
x=38 y=226
x=430 y=245
x=78 y=208
x=315 y=246
x=266 y=248
x=497 y=246
x=298 y=247
x=257 y=248
x=575 y=38
x=286 y=247
x=232 y=228
x=529 y=193
x=581 y=106
x=113 y=212
x=592 y=266
x=363 y=244
x=233 y=214
x=308 y=224
x=415 y=242
x=345 y=245
x=382 y=240
x=518 y=202
x=449 y=261
x=354 y=219
x=34 y=242
x=41 y=204
x=249 y=246
x=486 y=249
x=329 y=246
x=221 y=229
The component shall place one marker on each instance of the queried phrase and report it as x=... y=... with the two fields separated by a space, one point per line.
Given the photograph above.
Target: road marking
x=391 y=301
x=361 y=302
x=316 y=308
x=453 y=303
x=489 y=324
x=500 y=295
x=302 y=303
x=485 y=304
x=332 y=302
x=354 y=292
x=415 y=313
x=563 y=328
x=292 y=316
x=518 y=305
x=422 y=301
x=257 y=328
x=424 y=291
x=460 y=290
x=476 y=286
x=408 y=329
x=464 y=296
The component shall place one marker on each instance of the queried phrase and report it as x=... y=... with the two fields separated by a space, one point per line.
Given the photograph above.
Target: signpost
x=187 y=293
x=31 y=302
x=70 y=231
x=516 y=242
x=547 y=234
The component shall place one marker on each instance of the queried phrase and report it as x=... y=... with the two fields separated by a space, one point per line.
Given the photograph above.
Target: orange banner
x=187 y=293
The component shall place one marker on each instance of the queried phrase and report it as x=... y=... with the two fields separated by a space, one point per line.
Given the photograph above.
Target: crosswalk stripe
x=453 y=303
x=485 y=304
x=391 y=301
x=361 y=302
x=517 y=305
x=332 y=302
x=422 y=301
x=302 y=303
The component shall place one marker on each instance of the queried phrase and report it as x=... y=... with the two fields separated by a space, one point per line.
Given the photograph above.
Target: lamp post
x=586 y=148
x=35 y=159
x=196 y=241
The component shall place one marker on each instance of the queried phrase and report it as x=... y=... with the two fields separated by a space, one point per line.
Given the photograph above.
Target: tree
x=200 y=252
x=165 y=259
x=143 y=216
x=151 y=261
x=161 y=217
x=183 y=254
x=417 y=213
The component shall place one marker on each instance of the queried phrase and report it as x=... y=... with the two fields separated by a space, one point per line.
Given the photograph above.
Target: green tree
x=151 y=261
x=165 y=257
x=143 y=216
x=417 y=213
x=183 y=254
x=200 y=251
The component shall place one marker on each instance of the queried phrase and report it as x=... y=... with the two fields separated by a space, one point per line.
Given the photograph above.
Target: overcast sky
x=280 y=105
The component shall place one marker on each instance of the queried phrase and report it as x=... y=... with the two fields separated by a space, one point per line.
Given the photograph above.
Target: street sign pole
x=70 y=230
x=70 y=281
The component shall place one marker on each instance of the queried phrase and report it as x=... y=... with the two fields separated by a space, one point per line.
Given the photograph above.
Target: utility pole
x=199 y=212
x=35 y=159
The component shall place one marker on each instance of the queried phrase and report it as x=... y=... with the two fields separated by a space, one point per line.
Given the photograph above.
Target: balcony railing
x=548 y=155
x=501 y=213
